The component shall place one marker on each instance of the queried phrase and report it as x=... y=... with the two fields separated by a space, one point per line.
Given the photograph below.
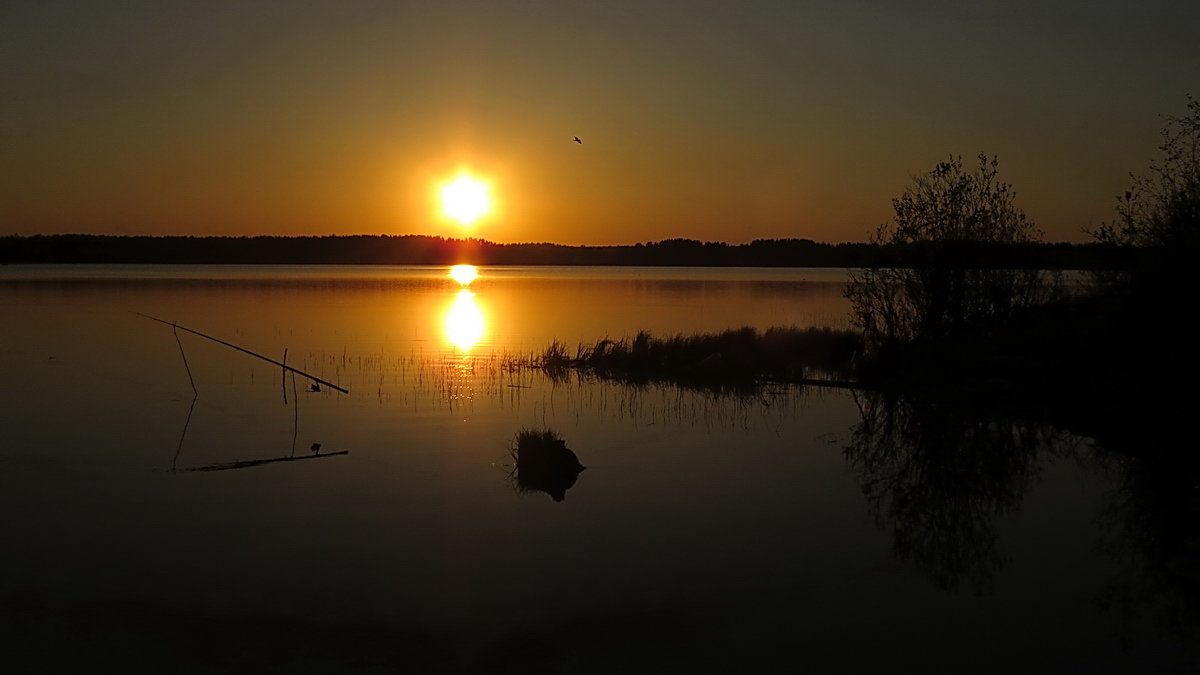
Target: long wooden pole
x=246 y=463
x=314 y=378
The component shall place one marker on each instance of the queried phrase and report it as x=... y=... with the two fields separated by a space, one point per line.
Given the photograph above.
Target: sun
x=466 y=199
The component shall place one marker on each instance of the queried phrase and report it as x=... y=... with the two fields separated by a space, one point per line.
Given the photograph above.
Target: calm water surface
x=794 y=529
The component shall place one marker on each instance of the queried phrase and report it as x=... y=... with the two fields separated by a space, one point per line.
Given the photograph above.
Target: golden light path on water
x=465 y=322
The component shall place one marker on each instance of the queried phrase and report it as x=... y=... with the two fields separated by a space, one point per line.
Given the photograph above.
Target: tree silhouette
x=1161 y=210
x=935 y=290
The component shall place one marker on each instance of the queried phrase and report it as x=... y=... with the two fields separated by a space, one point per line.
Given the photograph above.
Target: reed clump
x=544 y=463
x=736 y=358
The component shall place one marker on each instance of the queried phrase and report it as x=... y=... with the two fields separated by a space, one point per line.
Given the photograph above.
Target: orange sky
x=707 y=120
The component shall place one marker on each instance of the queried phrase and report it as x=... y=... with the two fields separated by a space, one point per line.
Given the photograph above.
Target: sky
x=717 y=121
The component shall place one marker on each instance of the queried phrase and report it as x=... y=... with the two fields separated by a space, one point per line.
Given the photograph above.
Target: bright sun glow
x=464 y=274
x=466 y=199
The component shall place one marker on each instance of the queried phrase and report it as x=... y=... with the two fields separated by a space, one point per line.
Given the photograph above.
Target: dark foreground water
x=803 y=529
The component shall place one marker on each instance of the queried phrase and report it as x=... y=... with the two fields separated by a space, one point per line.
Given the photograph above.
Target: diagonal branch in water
x=247 y=463
x=268 y=359
x=175 y=332
x=283 y=378
x=183 y=434
x=295 y=415
x=192 y=407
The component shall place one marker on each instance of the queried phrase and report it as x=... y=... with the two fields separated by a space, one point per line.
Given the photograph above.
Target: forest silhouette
x=430 y=250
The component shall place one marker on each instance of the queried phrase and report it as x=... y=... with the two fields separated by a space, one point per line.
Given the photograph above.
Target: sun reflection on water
x=465 y=322
x=464 y=274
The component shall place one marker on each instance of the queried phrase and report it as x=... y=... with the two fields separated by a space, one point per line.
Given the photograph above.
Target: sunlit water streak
x=465 y=322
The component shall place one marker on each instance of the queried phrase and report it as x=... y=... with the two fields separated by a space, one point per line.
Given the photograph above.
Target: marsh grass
x=543 y=463
x=736 y=359
x=421 y=380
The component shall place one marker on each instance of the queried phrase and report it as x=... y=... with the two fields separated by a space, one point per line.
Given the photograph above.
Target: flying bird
x=578 y=141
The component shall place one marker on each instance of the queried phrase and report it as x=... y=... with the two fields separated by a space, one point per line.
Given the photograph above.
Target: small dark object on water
x=545 y=463
x=578 y=141
x=316 y=447
x=314 y=387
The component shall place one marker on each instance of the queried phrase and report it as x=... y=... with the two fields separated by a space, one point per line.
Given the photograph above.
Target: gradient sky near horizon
x=703 y=119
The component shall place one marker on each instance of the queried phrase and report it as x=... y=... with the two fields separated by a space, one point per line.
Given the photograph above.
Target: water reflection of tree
x=940 y=474
x=1151 y=527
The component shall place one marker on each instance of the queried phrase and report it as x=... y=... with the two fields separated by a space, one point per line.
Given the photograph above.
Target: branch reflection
x=940 y=474
x=1151 y=529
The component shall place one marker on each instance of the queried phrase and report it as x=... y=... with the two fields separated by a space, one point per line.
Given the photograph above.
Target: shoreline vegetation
x=739 y=360
x=945 y=313
x=430 y=250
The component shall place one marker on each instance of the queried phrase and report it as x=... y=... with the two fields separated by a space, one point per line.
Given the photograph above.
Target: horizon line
x=477 y=239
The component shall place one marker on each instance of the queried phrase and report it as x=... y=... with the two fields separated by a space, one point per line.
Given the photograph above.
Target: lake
x=150 y=525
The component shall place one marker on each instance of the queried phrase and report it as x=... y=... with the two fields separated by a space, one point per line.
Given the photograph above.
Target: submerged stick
x=183 y=434
x=295 y=415
x=175 y=332
x=247 y=463
x=283 y=377
x=297 y=371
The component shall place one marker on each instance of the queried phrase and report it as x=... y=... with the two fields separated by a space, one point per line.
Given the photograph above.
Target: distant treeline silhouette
x=429 y=250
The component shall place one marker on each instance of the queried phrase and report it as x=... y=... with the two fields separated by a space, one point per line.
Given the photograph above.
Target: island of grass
x=736 y=359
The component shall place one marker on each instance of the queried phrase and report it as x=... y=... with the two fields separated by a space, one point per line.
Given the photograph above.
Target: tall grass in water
x=733 y=359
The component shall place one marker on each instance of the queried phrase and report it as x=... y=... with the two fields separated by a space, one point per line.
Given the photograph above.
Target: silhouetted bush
x=1160 y=213
x=936 y=288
